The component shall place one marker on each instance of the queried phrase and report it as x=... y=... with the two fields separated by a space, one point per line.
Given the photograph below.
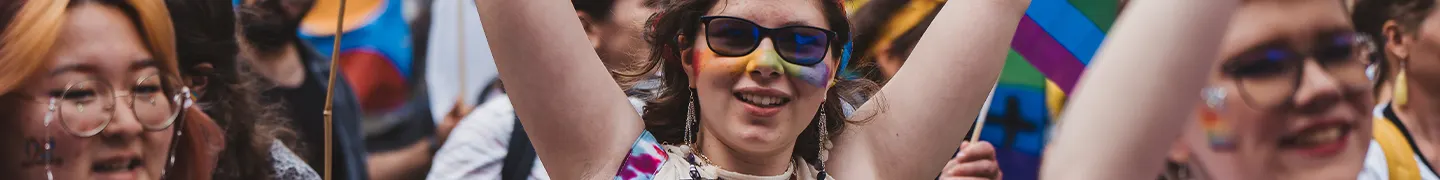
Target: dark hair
x=205 y=33
x=666 y=115
x=602 y=9
x=1370 y=17
x=870 y=21
x=268 y=26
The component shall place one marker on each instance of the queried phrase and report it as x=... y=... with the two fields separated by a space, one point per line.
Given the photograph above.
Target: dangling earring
x=49 y=141
x=690 y=121
x=824 y=136
x=1401 y=94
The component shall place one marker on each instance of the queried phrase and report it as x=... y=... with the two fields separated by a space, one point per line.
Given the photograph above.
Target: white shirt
x=477 y=147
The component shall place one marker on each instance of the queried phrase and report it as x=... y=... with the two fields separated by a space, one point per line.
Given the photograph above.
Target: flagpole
x=330 y=91
x=460 y=48
x=984 y=112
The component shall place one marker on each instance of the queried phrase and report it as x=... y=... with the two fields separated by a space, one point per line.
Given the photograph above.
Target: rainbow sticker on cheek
x=1218 y=131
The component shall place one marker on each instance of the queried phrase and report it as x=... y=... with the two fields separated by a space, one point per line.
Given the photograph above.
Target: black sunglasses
x=732 y=36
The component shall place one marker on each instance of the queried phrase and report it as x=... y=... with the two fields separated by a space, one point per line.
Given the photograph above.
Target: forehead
x=97 y=34
x=774 y=13
x=1297 y=21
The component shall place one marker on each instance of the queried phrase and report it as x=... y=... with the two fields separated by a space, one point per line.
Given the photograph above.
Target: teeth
x=762 y=100
x=1321 y=136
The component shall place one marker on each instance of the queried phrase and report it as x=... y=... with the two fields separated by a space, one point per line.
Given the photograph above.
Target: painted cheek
x=706 y=59
x=818 y=75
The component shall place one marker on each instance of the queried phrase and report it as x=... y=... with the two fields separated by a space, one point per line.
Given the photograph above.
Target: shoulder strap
x=521 y=157
x=1398 y=156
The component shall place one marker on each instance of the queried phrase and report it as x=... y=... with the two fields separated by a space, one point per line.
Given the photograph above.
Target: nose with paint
x=764 y=67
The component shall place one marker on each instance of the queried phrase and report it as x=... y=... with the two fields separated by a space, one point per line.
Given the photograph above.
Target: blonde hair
x=31 y=33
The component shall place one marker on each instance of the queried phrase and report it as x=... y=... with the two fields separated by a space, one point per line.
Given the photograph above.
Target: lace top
x=288 y=166
x=648 y=159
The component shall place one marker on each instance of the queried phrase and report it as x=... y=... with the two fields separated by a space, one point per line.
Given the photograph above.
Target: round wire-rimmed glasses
x=84 y=108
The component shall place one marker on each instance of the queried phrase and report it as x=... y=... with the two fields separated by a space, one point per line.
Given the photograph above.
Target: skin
x=105 y=44
x=975 y=161
x=729 y=135
x=1322 y=96
x=1120 y=125
x=619 y=39
x=571 y=119
x=1415 y=49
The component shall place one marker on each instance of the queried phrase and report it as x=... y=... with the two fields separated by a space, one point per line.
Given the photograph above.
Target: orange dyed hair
x=35 y=25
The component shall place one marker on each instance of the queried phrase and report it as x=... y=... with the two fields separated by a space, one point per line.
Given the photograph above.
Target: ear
x=1396 y=41
x=199 y=81
x=588 y=22
x=687 y=58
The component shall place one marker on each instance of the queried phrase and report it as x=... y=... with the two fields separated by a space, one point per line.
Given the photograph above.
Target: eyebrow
x=72 y=67
x=142 y=64
x=798 y=23
x=145 y=63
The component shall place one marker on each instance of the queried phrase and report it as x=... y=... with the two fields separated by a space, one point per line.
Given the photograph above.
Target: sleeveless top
x=648 y=160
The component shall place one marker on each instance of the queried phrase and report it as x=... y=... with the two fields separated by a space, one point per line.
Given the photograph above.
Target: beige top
x=676 y=167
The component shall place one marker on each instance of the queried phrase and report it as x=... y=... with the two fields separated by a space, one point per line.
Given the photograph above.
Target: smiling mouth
x=1318 y=141
x=762 y=101
x=116 y=166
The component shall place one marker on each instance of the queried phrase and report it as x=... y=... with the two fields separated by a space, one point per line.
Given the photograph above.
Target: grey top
x=288 y=166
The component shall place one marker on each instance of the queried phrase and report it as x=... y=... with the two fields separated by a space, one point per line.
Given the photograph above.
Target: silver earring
x=1214 y=97
x=824 y=136
x=690 y=120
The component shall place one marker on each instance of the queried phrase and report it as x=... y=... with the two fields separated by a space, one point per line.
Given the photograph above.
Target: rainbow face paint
x=819 y=75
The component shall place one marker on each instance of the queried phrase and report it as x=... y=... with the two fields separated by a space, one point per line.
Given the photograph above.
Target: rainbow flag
x=1052 y=46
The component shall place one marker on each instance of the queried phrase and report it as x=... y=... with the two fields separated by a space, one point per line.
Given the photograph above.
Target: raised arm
x=576 y=115
x=1136 y=96
x=920 y=117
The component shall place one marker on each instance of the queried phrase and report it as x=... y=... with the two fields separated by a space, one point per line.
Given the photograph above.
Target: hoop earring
x=824 y=137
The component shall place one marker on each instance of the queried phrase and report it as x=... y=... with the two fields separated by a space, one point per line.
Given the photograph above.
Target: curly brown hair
x=666 y=115
x=205 y=31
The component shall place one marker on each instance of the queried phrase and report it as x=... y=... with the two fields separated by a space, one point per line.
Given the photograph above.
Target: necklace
x=721 y=173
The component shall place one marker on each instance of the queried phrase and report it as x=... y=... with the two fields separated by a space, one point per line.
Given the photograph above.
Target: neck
x=282 y=67
x=1422 y=117
x=751 y=163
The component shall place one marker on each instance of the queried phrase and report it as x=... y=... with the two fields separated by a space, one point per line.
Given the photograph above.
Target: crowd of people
x=702 y=89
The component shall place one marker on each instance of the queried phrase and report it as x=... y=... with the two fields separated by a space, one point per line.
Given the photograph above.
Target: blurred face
x=621 y=42
x=1295 y=95
x=1424 y=53
x=110 y=109
x=759 y=101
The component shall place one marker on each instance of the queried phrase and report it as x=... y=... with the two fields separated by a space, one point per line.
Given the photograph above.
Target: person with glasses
x=1254 y=89
x=751 y=85
x=1407 y=117
x=100 y=96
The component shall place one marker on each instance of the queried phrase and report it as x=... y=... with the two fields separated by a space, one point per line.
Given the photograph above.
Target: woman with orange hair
x=92 y=86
